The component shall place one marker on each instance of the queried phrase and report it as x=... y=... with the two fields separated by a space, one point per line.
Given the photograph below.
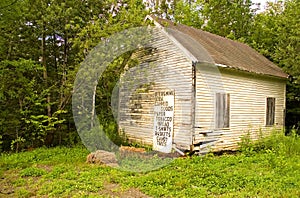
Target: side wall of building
x=248 y=98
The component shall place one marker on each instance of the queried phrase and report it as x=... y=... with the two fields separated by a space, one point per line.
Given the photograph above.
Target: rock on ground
x=103 y=157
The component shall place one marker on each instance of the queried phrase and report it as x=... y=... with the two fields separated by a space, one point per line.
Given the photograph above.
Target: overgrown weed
x=277 y=142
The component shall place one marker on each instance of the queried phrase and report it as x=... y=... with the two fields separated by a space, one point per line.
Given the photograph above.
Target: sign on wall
x=163 y=121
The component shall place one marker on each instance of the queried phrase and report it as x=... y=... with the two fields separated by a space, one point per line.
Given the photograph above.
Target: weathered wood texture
x=248 y=98
x=165 y=68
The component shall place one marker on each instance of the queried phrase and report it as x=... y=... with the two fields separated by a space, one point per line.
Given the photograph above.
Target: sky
x=262 y=2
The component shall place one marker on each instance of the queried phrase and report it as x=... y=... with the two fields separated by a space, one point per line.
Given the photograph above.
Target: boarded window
x=270 y=112
x=222 y=110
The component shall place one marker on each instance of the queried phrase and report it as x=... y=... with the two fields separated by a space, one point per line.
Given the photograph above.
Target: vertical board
x=163 y=121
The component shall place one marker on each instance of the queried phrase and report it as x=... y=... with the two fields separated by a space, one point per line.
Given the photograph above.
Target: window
x=222 y=110
x=270 y=112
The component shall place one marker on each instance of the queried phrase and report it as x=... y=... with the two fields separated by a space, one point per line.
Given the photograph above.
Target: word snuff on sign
x=163 y=121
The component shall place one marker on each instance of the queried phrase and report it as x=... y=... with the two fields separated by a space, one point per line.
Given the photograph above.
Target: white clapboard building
x=192 y=88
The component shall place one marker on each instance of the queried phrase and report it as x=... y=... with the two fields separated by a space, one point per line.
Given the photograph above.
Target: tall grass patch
x=277 y=142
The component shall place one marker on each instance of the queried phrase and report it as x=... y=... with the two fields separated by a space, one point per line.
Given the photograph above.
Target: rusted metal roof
x=223 y=51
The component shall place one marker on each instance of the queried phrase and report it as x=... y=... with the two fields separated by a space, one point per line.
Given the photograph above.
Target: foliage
x=129 y=16
x=42 y=44
x=228 y=18
x=142 y=162
x=1 y=142
x=32 y=172
x=277 y=143
x=288 y=57
x=188 y=13
x=20 y=97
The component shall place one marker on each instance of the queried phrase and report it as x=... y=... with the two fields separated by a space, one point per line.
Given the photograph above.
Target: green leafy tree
x=188 y=13
x=287 y=55
x=130 y=14
x=276 y=34
x=21 y=104
x=228 y=18
x=42 y=31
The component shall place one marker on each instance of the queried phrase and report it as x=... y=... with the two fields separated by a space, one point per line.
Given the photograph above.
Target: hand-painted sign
x=163 y=121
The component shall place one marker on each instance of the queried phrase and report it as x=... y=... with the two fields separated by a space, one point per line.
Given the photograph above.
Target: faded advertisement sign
x=163 y=121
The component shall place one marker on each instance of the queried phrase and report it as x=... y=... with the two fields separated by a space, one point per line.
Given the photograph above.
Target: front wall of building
x=167 y=68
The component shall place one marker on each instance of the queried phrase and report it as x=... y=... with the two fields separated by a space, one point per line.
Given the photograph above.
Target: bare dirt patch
x=45 y=167
x=115 y=190
x=6 y=179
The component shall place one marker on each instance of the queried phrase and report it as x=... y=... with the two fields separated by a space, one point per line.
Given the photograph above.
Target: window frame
x=225 y=112
x=270 y=113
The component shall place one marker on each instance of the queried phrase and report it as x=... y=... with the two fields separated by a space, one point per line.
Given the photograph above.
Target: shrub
x=277 y=142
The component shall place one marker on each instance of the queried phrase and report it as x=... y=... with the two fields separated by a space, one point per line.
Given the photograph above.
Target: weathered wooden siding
x=168 y=67
x=248 y=93
x=170 y=70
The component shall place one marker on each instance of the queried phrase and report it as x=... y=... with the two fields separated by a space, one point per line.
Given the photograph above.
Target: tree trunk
x=93 y=104
x=45 y=73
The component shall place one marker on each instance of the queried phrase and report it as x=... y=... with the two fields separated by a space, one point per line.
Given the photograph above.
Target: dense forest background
x=43 y=42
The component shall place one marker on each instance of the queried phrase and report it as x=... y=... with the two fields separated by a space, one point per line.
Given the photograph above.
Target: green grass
x=267 y=168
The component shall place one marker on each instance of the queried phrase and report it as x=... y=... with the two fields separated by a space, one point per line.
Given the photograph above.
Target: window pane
x=222 y=110
x=270 y=113
x=227 y=110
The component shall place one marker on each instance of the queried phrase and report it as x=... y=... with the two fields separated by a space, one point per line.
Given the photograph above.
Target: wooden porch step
x=202 y=147
x=208 y=133
x=205 y=142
